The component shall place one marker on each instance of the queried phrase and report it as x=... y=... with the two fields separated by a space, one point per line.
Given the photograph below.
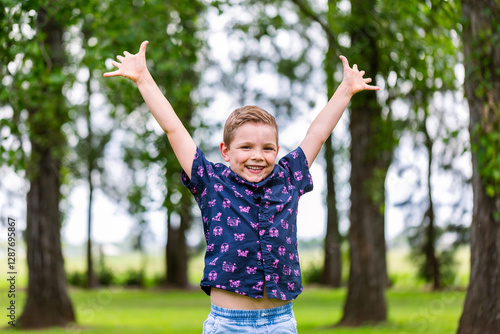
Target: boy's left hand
x=353 y=78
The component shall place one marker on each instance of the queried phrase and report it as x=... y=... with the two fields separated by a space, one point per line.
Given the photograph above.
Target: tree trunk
x=91 y=278
x=430 y=231
x=429 y=248
x=177 y=250
x=47 y=303
x=370 y=159
x=431 y=260
x=367 y=275
x=481 y=312
x=332 y=269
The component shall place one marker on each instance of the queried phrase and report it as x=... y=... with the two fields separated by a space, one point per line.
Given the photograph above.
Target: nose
x=257 y=154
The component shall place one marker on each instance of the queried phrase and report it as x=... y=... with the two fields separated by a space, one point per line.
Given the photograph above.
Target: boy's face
x=253 y=151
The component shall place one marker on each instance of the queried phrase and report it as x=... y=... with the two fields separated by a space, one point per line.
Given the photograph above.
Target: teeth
x=255 y=168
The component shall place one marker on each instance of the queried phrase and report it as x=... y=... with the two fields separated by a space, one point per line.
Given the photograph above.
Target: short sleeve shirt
x=251 y=228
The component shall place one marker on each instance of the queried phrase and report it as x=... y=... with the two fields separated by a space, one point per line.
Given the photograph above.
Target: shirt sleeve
x=201 y=172
x=296 y=164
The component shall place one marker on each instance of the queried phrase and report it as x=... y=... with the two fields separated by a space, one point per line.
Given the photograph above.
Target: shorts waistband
x=251 y=314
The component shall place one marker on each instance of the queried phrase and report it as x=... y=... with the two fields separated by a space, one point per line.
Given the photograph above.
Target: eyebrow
x=248 y=143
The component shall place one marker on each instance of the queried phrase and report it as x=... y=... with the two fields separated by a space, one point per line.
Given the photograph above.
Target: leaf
x=56 y=79
x=490 y=190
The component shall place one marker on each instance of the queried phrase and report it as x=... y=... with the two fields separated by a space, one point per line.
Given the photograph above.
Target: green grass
x=408 y=312
x=411 y=307
x=316 y=311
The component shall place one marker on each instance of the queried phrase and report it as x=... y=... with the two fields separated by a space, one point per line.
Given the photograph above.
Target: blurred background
x=399 y=160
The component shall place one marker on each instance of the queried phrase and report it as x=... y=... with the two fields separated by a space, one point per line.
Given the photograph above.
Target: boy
x=249 y=210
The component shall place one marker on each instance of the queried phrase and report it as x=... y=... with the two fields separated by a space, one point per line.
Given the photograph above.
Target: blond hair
x=244 y=115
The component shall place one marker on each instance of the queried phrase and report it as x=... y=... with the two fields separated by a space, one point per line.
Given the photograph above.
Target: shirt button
x=259 y=263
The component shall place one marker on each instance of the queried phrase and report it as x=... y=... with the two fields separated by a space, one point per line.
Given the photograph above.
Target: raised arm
x=322 y=126
x=134 y=67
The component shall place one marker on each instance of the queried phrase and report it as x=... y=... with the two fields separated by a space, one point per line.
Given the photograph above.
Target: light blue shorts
x=278 y=320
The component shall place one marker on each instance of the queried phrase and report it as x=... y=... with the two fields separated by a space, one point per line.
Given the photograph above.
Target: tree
x=187 y=44
x=176 y=254
x=429 y=245
x=481 y=36
x=393 y=41
x=89 y=151
x=423 y=44
x=174 y=59
x=445 y=140
x=35 y=91
x=92 y=147
x=427 y=222
x=332 y=264
x=370 y=159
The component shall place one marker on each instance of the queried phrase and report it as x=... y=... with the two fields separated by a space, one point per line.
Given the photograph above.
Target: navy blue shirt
x=251 y=228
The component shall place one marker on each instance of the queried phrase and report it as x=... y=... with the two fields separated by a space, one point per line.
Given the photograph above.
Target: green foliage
x=33 y=79
x=131 y=278
x=48 y=96
x=447 y=267
x=105 y=276
x=274 y=38
x=174 y=30
x=483 y=74
x=375 y=188
x=77 y=279
x=420 y=47
x=487 y=148
x=312 y=274
x=445 y=254
x=134 y=278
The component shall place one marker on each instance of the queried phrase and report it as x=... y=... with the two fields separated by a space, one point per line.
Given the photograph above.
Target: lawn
x=411 y=307
x=316 y=310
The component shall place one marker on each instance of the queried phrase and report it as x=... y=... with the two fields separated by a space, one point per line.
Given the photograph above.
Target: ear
x=224 y=151
x=277 y=150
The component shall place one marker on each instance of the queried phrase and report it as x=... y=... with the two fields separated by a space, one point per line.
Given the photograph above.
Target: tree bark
x=332 y=269
x=91 y=277
x=432 y=262
x=481 y=312
x=47 y=303
x=177 y=249
x=365 y=301
x=370 y=159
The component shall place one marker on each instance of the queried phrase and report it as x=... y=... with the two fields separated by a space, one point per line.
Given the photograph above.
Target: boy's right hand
x=131 y=66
